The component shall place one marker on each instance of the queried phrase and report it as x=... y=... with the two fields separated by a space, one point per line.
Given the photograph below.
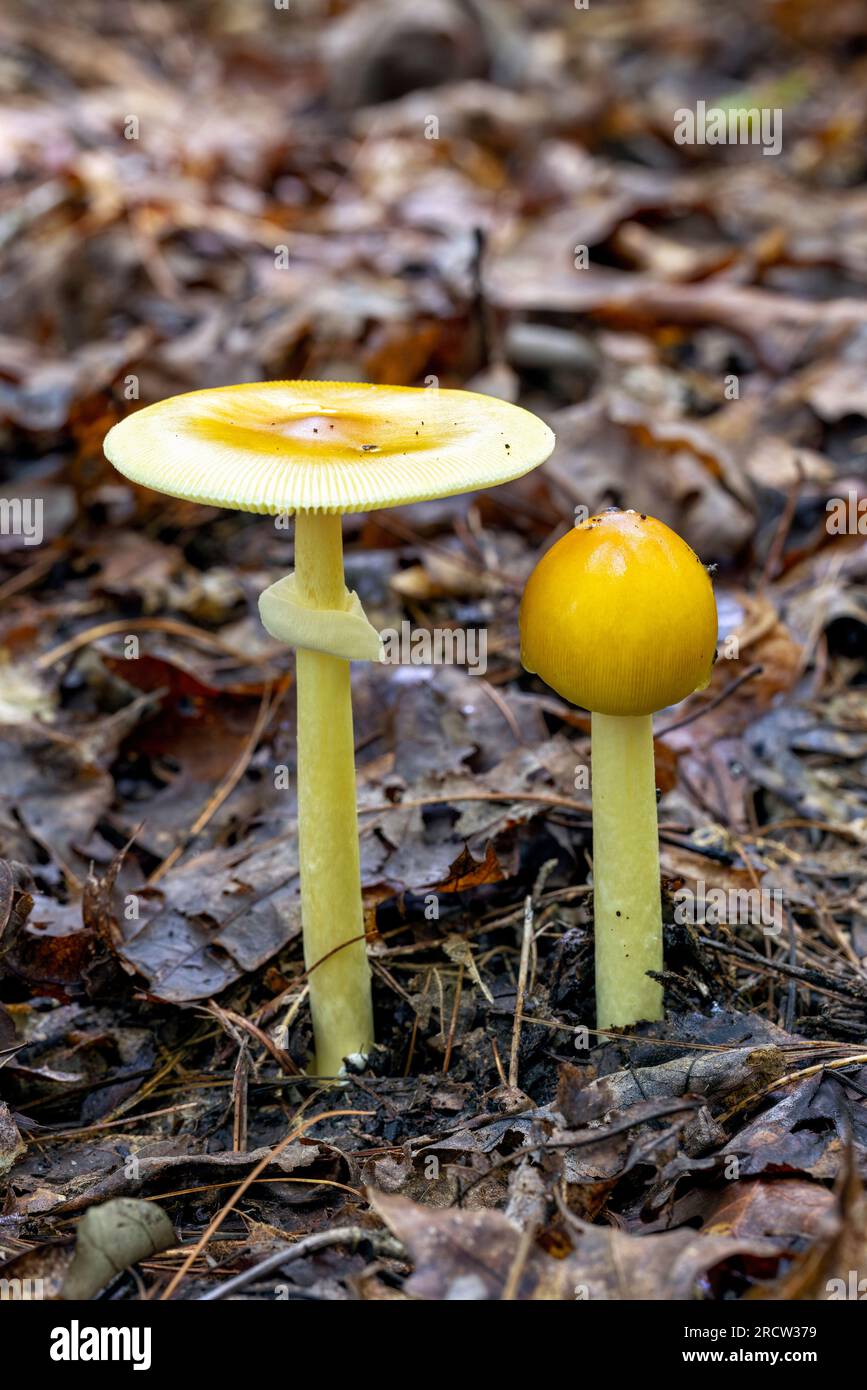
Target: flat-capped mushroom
x=319 y=449
x=619 y=617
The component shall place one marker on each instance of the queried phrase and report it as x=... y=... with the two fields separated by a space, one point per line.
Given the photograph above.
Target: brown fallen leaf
x=786 y=1209
x=467 y=872
x=215 y=916
x=37 y=1275
x=470 y=1255
x=58 y=794
x=52 y=947
x=806 y=1130
x=835 y=1266
x=11 y=1144
x=714 y=1075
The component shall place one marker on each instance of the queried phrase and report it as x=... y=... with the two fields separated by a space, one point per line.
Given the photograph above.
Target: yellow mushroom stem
x=334 y=948
x=627 y=909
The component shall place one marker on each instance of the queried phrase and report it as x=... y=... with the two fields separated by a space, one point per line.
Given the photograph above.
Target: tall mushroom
x=619 y=616
x=319 y=449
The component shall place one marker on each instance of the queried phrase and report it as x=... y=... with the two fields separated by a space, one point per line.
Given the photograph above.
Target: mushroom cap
x=325 y=446
x=619 y=616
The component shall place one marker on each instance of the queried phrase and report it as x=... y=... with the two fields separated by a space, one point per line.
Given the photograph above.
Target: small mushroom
x=619 y=617
x=319 y=449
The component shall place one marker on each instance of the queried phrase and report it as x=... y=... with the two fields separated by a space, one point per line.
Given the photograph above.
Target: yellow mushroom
x=318 y=449
x=619 y=617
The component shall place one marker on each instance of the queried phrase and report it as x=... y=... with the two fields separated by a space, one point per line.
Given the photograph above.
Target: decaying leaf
x=459 y=1255
x=112 y=1237
x=11 y=1144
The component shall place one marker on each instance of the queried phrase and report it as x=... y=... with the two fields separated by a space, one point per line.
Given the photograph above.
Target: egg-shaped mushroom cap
x=325 y=446
x=619 y=616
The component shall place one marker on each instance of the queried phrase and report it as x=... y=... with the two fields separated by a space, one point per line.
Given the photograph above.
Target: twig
x=784 y=526
x=499 y=700
x=239 y=1099
x=29 y=576
x=812 y=978
x=792 y=994
x=522 y=985
x=549 y=799
x=120 y=626
x=383 y=1243
x=606 y=1033
x=236 y=1020
x=268 y=1181
x=414 y=1034
x=46 y=1134
x=801 y=823
x=236 y=1196
x=454 y=1020
x=522 y=1254
x=730 y=689
x=498 y=1062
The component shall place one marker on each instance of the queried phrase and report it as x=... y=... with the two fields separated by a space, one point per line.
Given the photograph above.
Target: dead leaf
x=467 y=872
x=112 y=1237
x=469 y=1255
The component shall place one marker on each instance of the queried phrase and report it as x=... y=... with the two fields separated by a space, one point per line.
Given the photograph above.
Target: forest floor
x=478 y=195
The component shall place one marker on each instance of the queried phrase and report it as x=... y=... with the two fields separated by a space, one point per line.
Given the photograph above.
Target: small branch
x=270 y=1156
x=730 y=689
x=453 y=1023
x=522 y=985
x=121 y=626
x=540 y=798
x=821 y=984
x=778 y=544
x=522 y=1254
x=239 y=1100
x=383 y=1243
